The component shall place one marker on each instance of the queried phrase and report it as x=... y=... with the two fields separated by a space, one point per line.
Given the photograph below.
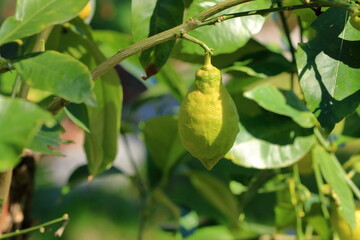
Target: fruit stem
x=196 y=41
x=207 y=60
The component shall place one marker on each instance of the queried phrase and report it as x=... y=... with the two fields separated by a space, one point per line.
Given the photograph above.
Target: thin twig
x=320 y=183
x=196 y=41
x=15 y=86
x=5 y=181
x=287 y=34
x=297 y=204
x=40 y=227
x=218 y=8
x=264 y=11
x=140 y=184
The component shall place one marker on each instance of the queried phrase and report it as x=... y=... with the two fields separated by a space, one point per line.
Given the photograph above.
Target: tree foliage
x=298 y=106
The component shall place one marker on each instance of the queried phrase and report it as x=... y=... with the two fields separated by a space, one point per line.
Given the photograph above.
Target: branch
x=5 y=181
x=139 y=47
x=193 y=23
x=196 y=41
x=40 y=227
x=162 y=37
x=218 y=8
x=265 y=11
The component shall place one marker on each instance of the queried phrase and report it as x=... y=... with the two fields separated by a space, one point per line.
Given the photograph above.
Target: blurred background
x=108 y=207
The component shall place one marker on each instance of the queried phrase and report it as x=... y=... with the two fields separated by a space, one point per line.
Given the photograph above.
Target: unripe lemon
x=355 y=19
x=305 y=164
x=88 y=11
x=208 y=119
x=343 y=229
x=85 y=12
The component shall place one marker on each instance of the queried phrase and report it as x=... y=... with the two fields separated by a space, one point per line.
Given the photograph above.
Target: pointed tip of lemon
x=209 y=164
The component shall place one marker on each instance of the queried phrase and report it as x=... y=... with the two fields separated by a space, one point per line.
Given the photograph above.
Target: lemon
x=343 y=229
x=355 y=19
x=208 y=119
x=85 y=12
x=88 y=11
x=305 y=164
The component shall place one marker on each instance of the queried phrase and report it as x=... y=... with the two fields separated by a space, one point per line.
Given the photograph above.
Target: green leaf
x=351 y=127
x=282 y=102
x=141 y=16
x=57 y=73
x=222 y=232
x=329 y=73
x=320 y=225
x=79 y=115
x=104 y=124
x=110 y=42
x=173 y=81
x=229 y=35
x=81 y=175
x=47 y=139
x=19 y=122
x=335 y=175
x=181 y=189
x=189 y=222
x=7 y=81
x=33 y=16
x=266 y=139
x=217 y=194
x=163 y=142
x=307 y=15
x=104 y=118
x=258 y=64
x=167 y=14
x=285 y=214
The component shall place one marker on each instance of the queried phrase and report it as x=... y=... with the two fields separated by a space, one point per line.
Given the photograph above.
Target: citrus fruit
x=85 y=12
x=208 y=119
x=305 y=164
x=355 y=19
x=343 y=229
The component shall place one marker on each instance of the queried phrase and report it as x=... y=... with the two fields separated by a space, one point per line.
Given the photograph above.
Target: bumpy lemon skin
x=355 y=20
x=208 y=118
x=343 y=229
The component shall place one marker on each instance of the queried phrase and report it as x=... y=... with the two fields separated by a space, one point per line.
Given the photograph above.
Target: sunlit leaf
x=57 y=73
x=33 y=16
x=282 y=102
x=19 y=122
x=226 y=36
x=101 y=142
x=266 y=139
x=329 y=73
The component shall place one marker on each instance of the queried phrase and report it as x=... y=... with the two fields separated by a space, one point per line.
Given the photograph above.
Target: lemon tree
x=193 y=122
